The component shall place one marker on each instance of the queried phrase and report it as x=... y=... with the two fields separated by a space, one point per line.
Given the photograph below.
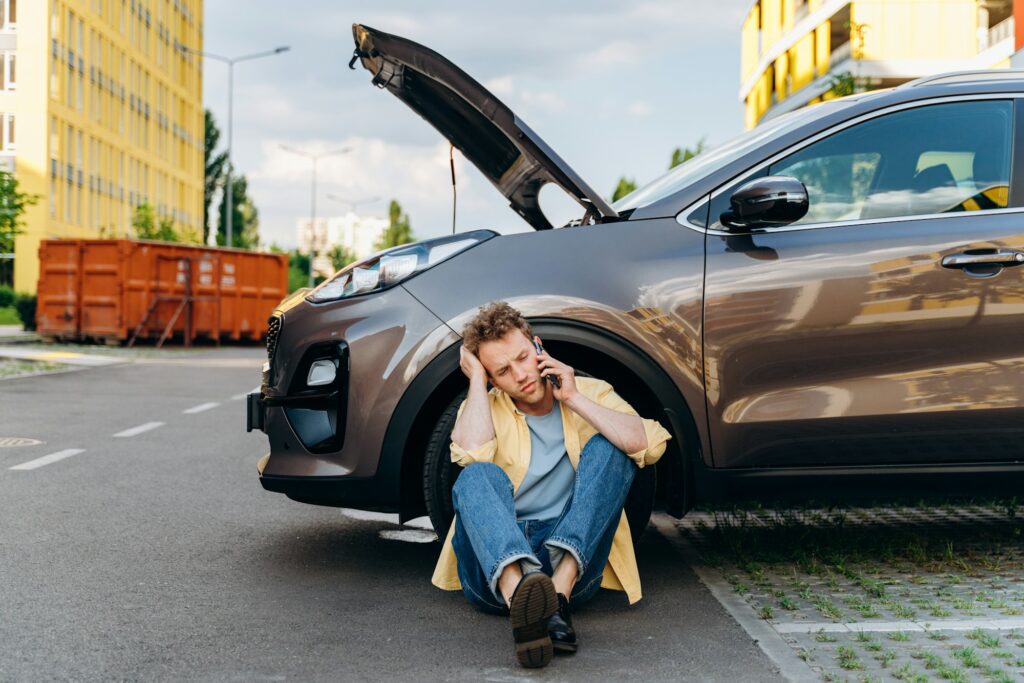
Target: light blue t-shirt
x=547 y=485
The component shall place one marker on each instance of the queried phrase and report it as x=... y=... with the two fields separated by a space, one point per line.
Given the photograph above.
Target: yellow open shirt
x=510 y=450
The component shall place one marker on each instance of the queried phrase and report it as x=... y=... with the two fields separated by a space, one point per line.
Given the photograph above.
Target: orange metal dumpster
x=116 y=290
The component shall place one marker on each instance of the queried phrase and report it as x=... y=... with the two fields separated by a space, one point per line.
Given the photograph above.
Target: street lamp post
x=352 y=204
x=231 y=61
x=312 y=208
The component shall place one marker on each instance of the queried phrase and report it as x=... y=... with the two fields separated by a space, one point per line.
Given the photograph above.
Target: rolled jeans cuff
x=556 y=551
x=527 y=562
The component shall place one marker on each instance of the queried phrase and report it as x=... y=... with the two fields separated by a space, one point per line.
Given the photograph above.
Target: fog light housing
x=322 y=372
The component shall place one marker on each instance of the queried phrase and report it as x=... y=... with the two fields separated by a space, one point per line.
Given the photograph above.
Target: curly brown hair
x=491 y=323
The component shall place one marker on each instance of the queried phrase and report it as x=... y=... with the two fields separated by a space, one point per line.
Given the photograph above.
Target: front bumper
x=254 y=417
x=327 y=443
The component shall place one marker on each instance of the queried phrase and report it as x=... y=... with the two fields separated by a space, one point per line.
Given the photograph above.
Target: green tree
x=842 y=84
x=215 y=165
x=298 y=270
x=340 y=256
x=625 y=186
x=681 y=154
x=147 y=227
x=245 y=226
x=144 y=222
x=398 y=231
x=13 y=203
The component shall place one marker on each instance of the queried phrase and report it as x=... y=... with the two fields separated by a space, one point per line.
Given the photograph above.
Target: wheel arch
x=621 y=363
x=586 y=347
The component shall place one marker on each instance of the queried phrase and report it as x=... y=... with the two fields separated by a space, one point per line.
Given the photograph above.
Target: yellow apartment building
x=792 y=50
x=100 y=111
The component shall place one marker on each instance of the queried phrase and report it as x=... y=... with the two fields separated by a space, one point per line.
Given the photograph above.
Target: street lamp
x=350 y=203
x=312 y=210
x=231 y=61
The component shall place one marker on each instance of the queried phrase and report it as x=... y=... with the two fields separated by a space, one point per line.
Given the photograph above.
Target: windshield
x=709 y=162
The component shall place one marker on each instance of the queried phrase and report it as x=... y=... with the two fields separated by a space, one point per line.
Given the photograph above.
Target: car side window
x=932 y=159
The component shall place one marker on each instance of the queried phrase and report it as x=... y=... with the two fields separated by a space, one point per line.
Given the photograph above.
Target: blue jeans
x=488 y=537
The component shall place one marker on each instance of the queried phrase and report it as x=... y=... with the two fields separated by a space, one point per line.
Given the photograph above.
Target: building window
x=54 y=165
x=69 y=171
x=8 y=15
x=8 y=133
x=9 y=79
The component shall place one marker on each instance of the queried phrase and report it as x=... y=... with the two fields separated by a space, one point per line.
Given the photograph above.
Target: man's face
x=511 y=364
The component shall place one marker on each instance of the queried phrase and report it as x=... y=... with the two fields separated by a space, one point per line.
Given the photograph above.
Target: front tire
x=440 y=473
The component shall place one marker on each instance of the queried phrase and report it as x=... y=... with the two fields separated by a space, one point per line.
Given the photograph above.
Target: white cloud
x=638 y=109
x=418 y=176
x=502 y=86
x=582 y=74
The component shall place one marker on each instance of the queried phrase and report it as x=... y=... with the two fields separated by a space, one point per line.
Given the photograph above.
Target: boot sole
x=564 y=648
x=532 y=605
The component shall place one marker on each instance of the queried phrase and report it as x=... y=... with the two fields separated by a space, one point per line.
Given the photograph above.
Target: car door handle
x=986 y=257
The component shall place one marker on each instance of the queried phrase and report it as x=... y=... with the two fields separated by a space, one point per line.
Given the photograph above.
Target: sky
x=613 y=87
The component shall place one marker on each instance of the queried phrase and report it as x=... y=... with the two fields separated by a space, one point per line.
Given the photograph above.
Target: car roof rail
x=965 y=77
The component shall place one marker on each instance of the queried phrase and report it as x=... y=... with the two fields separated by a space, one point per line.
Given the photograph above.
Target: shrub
x=6 y=296
x=25 y=304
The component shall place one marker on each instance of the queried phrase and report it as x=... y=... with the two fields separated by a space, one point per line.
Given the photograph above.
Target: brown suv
x=829 y=304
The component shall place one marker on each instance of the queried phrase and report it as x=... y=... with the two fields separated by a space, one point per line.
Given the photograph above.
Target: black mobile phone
x=557 y=383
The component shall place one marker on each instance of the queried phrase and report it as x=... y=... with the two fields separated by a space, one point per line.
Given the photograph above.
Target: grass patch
x=998 y=676
x=847 y=658
x=899 y=609
x=905 y=672
x=936 y=609
x=767 y=612
x=823 y=636
x=787 y=603
x=931 y=660
x=826 y=607
x=885 y=657
x=9 y=316
x=953 y=673
x=14 y=367
x=899 y=636
x=968 y=656
x=984 y=639
x=737 y=584
x=864 y=608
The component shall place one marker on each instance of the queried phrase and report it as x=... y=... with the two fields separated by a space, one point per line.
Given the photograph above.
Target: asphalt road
x=159 y=557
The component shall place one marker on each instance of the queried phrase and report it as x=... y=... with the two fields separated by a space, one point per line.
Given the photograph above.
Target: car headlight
x=390 y=267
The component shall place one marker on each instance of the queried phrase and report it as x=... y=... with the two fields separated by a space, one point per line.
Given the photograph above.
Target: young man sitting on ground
x=538 y=508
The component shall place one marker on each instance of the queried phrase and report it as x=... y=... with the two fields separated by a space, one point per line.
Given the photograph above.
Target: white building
x=356 y=233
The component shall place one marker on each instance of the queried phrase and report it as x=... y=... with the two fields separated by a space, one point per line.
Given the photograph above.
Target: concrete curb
x=766 y=637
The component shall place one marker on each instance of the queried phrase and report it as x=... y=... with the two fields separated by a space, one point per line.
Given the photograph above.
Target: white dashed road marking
x=368 y=516
x=200 y=408
x=239 y=397
x=140 y=429
x=408 y=535
x=47 y=459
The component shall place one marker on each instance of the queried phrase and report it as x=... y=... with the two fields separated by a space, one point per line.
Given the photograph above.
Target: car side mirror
x=766 y=202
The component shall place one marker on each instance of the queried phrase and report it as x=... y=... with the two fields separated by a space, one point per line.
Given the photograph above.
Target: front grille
x=273 y=332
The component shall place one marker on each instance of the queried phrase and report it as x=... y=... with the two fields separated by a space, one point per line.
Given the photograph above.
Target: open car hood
x=488 y=133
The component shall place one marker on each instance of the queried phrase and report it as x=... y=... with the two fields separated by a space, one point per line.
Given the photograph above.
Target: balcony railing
x=999 y=33
x=840 y=54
